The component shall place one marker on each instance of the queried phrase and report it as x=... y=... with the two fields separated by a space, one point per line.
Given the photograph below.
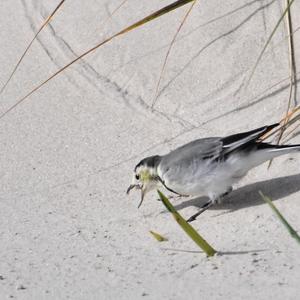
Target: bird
x=207 y=166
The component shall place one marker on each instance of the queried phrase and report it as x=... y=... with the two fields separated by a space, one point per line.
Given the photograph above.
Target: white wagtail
x=208 y=166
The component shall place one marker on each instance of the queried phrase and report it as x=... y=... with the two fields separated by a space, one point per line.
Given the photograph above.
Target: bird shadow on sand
x=248 y=196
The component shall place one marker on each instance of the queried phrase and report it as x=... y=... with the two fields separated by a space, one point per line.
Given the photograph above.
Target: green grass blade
x=268 y=41
x=193 y=234
x=158 y=236
x=290 y=229
x=156 y=15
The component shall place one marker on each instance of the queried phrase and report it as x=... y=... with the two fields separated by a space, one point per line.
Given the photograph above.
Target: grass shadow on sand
x=219 y=253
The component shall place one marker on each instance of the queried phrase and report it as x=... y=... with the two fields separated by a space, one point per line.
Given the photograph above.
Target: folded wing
x=202 y=152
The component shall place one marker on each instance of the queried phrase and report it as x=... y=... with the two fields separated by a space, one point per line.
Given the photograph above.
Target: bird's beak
x=132 y=186
x=143 y=192
x=141 y=187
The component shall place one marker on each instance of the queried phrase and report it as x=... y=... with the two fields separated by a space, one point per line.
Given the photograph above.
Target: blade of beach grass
x=168 y=52
x=290 y=113
x=290 y=134
x=270 y=88
x=190 y=231
x=268 y=41
x=46 y=22
x=292 y=61
x=291 y=121
x=293 y=118
x=158 y=236
x=290 y=229
x=293 y=72
x=151 y=17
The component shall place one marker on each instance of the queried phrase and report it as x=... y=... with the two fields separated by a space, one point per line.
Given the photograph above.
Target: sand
x=67 y=153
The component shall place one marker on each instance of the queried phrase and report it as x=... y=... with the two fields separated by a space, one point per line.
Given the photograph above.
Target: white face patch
x=145 y=178
x=145 y=174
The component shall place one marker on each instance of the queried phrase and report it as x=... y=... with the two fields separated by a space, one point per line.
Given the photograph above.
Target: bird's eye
x=137 y=177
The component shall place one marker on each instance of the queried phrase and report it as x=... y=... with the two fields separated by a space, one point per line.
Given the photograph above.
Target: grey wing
x=188 y=158
x=200 y=155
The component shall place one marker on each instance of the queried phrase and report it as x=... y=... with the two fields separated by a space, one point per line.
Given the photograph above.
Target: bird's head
x=145 y=177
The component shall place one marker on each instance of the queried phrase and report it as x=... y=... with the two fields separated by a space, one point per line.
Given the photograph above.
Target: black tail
x=233 y=142
x=288 y=148
x=248 y=136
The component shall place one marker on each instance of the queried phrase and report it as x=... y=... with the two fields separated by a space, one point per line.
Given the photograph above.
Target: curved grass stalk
x=293 y=72
x=46 y=22
x=290 y=229
x=268 y=41
x=284 y=125
x=113 y=12
x=168 y=52
x=286 y=139
x=293 y=76
x=135 y=25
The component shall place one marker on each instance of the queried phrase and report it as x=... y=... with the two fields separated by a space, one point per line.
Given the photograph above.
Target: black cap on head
x=151 y=162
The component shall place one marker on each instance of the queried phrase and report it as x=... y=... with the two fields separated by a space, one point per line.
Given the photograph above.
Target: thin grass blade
x=293 y=73
x=190 y=231
x=46 y=22
x=168 y=52
x=143 y=21
x=285 y=124
x=291 y=134
x=268 y=41
x=113 y=12
x=290 y=229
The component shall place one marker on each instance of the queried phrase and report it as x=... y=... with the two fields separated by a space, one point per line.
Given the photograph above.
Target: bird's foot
x=203 y=209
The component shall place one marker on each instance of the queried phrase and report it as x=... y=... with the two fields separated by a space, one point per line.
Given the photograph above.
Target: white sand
x=67 y=228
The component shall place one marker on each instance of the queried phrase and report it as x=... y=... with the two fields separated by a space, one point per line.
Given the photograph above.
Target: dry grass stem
x=46 y=22
x=292 y=68
x=135 y=25
x=268 y=41
x=168 y=52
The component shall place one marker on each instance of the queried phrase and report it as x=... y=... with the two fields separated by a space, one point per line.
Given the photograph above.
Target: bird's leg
x=209 y=204
x=227 y=192
x=203 y=209
x=219 y=200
